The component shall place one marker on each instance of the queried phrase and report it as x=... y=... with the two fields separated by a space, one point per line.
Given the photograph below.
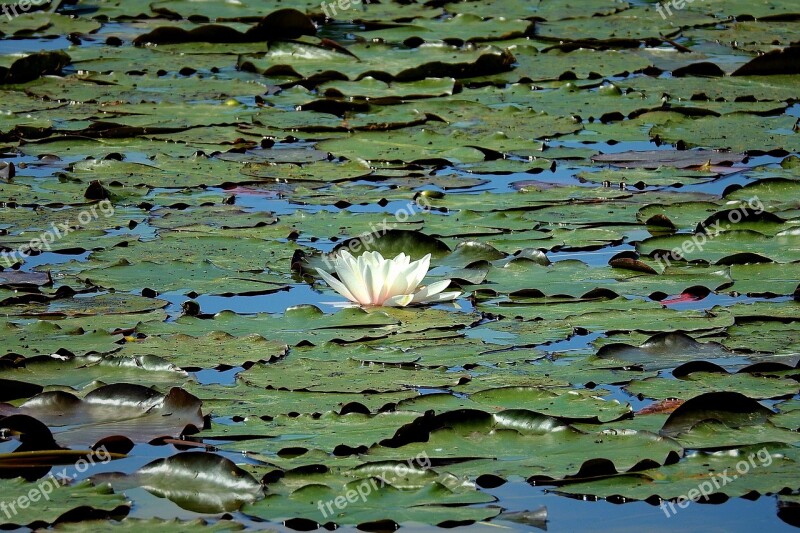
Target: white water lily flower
x=373 y=280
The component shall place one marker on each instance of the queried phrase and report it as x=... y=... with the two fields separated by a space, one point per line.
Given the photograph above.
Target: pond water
x=547 y=159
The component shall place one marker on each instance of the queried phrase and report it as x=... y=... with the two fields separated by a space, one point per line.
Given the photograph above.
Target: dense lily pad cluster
x=615 y=193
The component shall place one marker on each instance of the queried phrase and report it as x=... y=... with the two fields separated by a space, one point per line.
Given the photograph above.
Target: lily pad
x=134 y=411
x=209 y=483
x=80 y=372
x=665 y=350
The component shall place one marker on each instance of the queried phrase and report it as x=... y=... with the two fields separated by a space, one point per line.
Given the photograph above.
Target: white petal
x=342 y=304
x=372 y=273
x=425 y=293
x=389 y=274
x=401 y=300
x=416 y=271
x=397 y=280
x=337 y=285
x=344 y=255
x=441 y=297
x=402 y=259
x=372 y=257
x=351 y=277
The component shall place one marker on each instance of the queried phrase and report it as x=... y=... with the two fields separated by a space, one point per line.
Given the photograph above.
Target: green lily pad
x=205 y=352
x=698 y=383
x=335 y=434
x=80 y=372
x=578 y=405
x=44 y=337
x=764 y=336
x=346 y=377
x=765 y=278
x=464 y=27
x=765 y=133
x=203 y=278
x=88 y=305
x=410 y=65
x=293 y=328
x=156 y=525
x=247 y=400
x=665 y=350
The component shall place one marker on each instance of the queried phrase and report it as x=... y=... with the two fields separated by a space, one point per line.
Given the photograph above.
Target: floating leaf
x=134 y=411
x=197 y=481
